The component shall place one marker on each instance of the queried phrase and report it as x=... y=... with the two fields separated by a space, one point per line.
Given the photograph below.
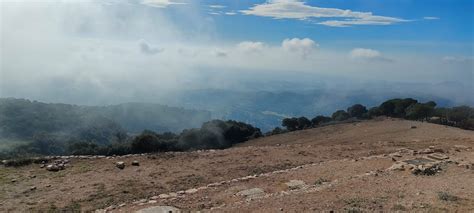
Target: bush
x=320 y=119
x=357 y=110
x=340 y=115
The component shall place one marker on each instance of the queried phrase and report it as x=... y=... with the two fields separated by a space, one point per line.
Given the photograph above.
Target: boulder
x=135 y=163
x=120 y=164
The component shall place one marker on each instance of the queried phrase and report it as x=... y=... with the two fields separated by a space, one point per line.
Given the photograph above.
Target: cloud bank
x=91 y=53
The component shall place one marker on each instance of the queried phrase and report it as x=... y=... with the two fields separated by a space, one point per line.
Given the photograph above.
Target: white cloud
x=230 y=13
x=367 y=55
x=160 y=3
x=250 y=47
x=217 y=6
x=294 y=9
x=304 y=46
x=430 y=18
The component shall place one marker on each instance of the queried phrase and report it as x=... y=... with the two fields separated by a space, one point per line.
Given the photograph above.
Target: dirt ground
x=341 y=168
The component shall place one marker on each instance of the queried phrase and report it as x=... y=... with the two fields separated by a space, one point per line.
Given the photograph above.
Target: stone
x=254 y=192
x=465 y=165
x=460 y=147
x=120 y=165
x=32 y=188
x=191 y=191
x=159 y=209
x=426 y=151
x=164 y=196
x=413 y=127
x=295 y=184
x=398 y=166
x=135 y=163
x=52 y=168
x=437 y=156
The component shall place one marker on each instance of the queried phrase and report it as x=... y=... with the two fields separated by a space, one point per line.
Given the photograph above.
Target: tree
x=420 y=111
x=303 y=123
x=460 y=113
x=320 y=119
x=374 y=112
x=396 y=107
x=357 y=110
x=291 y=124
x=340 y=115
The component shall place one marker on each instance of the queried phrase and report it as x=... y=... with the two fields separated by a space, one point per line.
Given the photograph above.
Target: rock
x=426 y=151
x=52 y=168
x=254 y=192
x=399 y=166
x=465 y=165
x=295 y=184
x=460 y=147
x=413 y=127
x=191 y=191
x=437 y=156
x=164 y=196
x=42 y=166
x=135 y=163
x=13 y=180
x=32 y=188
x=159 y=209
x=120 y=165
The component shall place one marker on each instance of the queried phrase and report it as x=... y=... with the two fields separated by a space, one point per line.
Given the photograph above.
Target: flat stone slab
x=418 y=161
x=437 y=156
x=159 y=209
x=254 y=192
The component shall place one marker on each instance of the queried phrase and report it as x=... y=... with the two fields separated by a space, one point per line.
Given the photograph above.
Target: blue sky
x=103 y=48
x=439 y=27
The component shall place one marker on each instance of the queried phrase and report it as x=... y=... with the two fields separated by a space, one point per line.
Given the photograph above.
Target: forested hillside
x=24 y=119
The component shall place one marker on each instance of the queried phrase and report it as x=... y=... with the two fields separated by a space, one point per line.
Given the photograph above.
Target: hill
x=22 y=119
x=343 y=167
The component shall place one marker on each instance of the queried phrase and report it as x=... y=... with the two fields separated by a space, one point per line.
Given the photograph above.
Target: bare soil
x=343 y=167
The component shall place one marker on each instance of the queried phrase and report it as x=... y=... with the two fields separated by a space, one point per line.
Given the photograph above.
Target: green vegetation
x=35 y=129
x=408 y=108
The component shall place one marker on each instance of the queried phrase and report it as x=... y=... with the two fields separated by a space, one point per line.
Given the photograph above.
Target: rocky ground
x=388 y=165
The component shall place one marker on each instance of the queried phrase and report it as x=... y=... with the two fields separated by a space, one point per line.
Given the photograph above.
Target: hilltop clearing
x=356 y=166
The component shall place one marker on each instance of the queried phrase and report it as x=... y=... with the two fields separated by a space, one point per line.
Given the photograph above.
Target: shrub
x=340 y=115
x=320 y=119
x=357 y=110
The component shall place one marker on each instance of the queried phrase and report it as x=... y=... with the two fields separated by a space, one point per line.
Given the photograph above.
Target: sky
x=89 y=50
